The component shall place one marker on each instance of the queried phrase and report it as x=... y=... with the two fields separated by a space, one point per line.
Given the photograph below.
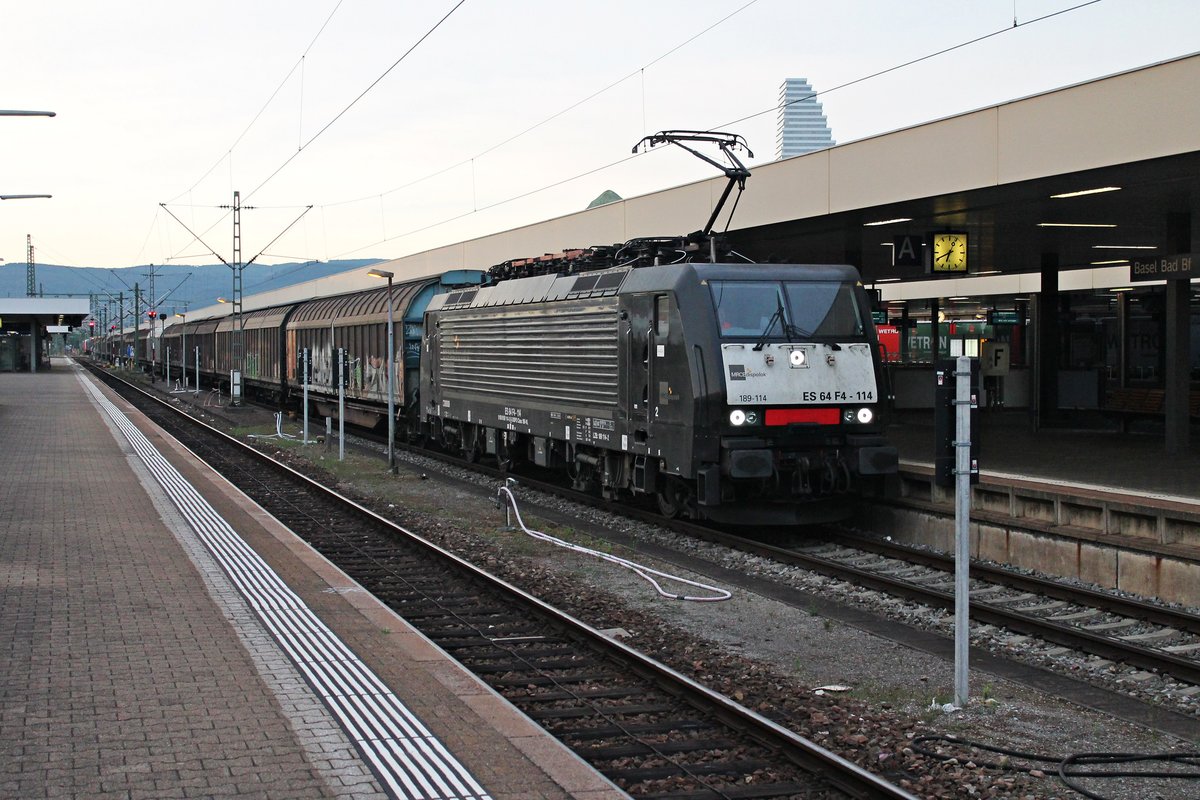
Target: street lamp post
x=391 y=389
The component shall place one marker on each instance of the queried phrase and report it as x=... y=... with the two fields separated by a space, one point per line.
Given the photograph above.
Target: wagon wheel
x=675 y=498
x=504 y=456
x=472 y=452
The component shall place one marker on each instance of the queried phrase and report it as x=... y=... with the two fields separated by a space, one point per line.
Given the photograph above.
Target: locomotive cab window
x=824 y=308
x=780 y=311
x=747 y=308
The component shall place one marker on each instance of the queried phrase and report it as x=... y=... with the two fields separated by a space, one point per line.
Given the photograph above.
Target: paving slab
x=134 y=667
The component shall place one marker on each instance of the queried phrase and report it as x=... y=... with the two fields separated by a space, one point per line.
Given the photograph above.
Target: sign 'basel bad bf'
x=1171 y=268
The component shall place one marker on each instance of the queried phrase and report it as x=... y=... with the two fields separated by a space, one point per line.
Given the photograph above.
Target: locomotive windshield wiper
x=790 y=331
x=762 y=337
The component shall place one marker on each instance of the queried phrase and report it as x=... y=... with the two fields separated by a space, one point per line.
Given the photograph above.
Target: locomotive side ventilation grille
x=569 y=358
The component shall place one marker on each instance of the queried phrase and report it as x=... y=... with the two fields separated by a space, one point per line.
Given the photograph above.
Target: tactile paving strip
x=408 y=759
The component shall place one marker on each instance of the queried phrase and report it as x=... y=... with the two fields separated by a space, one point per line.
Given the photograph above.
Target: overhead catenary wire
x=529 y=193
x=725 y=125
x=314 y=137
x=360 y=96
x=496 y=204
x=299 y=62
x=640 y=71
x=908 y=63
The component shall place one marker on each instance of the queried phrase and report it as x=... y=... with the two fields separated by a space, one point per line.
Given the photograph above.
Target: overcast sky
x=159 y=102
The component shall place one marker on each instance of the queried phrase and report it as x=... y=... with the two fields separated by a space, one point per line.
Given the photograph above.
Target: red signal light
x=152 y=314
x=92 y=324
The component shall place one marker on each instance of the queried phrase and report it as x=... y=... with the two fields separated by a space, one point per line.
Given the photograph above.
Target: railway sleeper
x=584 y=694
x=640 y=774
x=593 y=711
x=747 y=792
x=520 y=666
x=521 y=681
x=664 y=727
x=610 y=752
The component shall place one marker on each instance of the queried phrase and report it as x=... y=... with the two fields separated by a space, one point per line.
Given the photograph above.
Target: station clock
x=948 y=251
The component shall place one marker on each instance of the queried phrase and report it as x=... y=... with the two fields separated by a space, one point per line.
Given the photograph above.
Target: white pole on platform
x=962 y=529
x=183 y=352
x=391 y=368
x=341 y=373
x=304 y=380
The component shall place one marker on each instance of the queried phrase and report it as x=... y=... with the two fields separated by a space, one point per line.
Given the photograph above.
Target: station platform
x=1092 y=455
x=134 y=664
x=1088 y=503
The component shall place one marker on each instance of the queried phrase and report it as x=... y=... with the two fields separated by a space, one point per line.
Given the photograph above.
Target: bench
x=1130 y=404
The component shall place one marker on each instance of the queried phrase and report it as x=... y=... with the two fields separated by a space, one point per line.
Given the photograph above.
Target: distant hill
x=175 y=286
x=604 y=198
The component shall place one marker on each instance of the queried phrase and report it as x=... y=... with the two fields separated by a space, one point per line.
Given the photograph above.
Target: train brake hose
x=1068 y=768
x=504 y=494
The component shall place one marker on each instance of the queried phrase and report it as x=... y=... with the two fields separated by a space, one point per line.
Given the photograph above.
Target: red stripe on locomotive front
x=812 y=416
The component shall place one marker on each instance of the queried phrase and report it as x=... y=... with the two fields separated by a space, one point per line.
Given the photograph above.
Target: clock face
x=949 y=252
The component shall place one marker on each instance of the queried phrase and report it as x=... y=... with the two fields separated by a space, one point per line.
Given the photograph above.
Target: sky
x=409 y=125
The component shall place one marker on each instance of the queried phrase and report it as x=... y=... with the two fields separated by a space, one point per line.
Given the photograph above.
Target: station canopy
x=49 y=314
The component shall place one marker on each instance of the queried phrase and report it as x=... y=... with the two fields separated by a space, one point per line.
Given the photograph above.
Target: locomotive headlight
x=751 y=417
x=797 y=358
x=737 y=417
x=862 y=416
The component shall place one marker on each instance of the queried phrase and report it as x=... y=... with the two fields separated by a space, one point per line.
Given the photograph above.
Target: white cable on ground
x=642 y=570
x=278 y=434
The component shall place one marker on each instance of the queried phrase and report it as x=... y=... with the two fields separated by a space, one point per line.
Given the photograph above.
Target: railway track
x=654 y=732
x=1138 y=633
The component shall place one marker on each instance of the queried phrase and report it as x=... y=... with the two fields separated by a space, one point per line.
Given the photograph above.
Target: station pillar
x=1046 y=353
x=1123 y=340
x=935 y=331
x=1177 y=338
x=35 y=346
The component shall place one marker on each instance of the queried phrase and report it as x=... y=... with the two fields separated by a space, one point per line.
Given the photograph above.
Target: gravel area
x=867 y=698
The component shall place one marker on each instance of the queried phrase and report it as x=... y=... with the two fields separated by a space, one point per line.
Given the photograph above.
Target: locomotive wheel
x=675 y=498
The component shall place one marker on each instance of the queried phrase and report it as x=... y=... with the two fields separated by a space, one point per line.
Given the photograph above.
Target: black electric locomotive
x=732 y=392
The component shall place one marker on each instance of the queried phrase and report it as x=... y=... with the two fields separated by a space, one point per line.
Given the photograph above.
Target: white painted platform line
x=406 y=756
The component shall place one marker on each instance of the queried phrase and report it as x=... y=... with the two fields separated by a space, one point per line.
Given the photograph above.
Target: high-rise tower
x=802 y=124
